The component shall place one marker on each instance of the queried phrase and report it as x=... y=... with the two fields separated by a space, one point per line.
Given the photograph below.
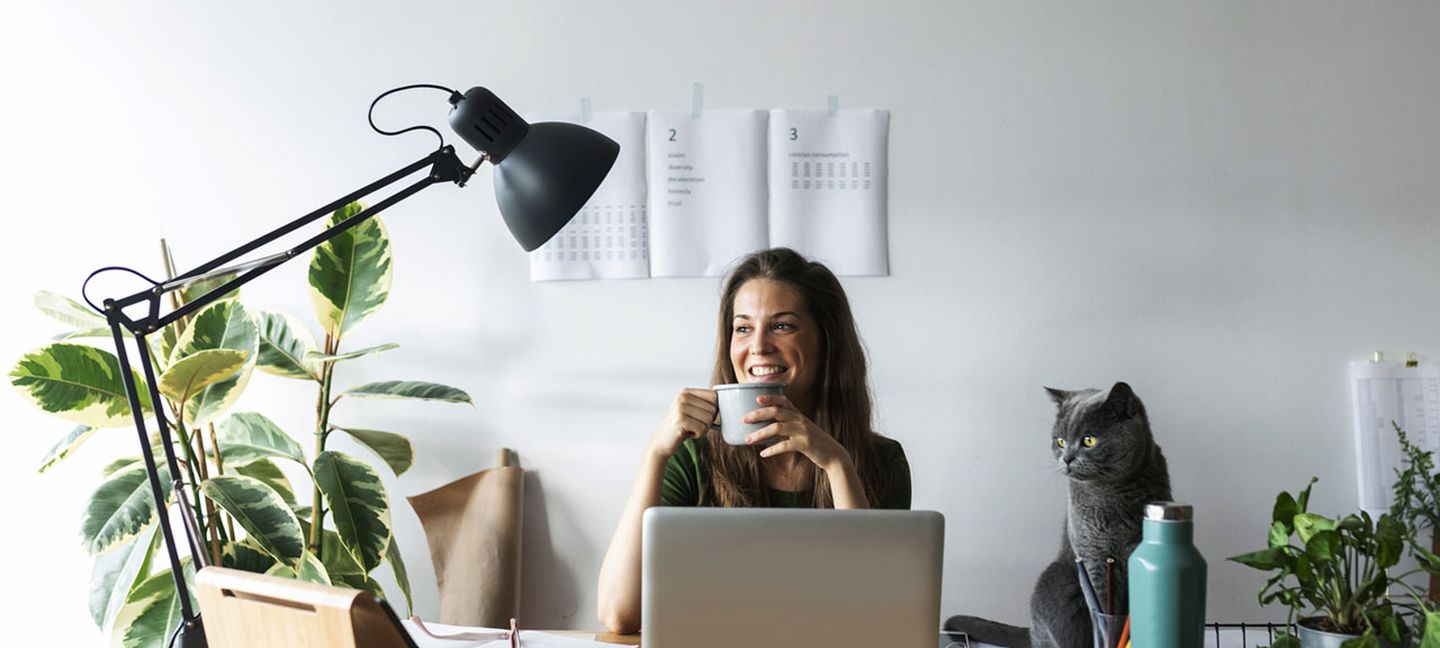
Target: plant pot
x=1312 y=638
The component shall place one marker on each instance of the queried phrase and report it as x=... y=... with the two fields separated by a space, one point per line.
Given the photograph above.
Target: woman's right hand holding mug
x=689 y=416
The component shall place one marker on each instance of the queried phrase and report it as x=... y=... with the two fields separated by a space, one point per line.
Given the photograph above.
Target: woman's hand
x=689 y=416
x=795 y=433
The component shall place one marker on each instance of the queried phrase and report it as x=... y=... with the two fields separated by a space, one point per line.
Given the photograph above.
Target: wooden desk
x=602 y=637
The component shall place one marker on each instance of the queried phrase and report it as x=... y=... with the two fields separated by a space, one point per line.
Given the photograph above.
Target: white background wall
x=1219 y=202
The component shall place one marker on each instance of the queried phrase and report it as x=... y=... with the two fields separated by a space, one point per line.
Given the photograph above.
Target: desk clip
x=832 y=102
x=1411 y=360
x=584 y=110
x=697 y=100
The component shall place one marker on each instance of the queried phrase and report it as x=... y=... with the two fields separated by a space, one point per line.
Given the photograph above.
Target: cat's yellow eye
x=1089 y=441
x=1060 y=442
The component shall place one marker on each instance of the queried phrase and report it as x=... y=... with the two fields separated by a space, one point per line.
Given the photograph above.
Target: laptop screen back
x=786 y=577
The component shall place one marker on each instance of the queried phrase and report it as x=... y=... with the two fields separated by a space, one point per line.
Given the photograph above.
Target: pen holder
x=1107 y=629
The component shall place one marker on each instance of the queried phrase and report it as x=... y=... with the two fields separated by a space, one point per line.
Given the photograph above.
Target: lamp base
x=190 y=634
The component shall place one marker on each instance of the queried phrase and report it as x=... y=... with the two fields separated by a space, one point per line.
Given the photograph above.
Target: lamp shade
x=544 y=172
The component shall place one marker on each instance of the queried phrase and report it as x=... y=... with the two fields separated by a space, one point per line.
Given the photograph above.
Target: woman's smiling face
x=773 y=338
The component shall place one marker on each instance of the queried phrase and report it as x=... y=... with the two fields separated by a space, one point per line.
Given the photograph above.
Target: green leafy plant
x=244 y=506
x=1337 y=569
x=1417 y=502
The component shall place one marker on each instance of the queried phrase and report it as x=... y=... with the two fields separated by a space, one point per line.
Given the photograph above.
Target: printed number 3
x=672 y=134
x=794 y=134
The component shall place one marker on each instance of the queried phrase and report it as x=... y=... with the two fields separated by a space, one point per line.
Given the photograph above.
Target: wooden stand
x=245 y=610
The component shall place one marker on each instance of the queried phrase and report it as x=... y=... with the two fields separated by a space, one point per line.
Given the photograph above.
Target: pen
x=1109 y=586
x=1087 y=587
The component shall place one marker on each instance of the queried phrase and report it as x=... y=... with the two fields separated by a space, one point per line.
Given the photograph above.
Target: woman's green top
x=688 y=471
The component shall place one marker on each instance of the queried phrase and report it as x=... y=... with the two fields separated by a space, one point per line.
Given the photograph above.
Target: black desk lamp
x=544 y=173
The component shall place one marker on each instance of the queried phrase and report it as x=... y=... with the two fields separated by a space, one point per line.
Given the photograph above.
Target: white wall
x=1219 y=202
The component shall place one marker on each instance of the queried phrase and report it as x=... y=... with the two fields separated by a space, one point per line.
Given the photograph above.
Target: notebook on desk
x=766 y=578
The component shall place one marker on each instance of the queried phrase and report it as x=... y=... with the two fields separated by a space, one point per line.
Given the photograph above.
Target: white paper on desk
x=829 y=186
x=1382 y=392
x=707 y=190
x=608 y=239
x=528 y=638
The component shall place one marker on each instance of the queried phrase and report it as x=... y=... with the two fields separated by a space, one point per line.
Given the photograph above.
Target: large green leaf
x=337 y=559
x=222 y=325
x=310 y=570
x=1308 y=524
x=1431 y=638
x=363 y=583
x=321 y=357
x=152 y=612
x=1263 y=560
x=115 y=466
x=116 y=572
x=1285 y=511
x=69 y=311
x=263 y=514
x=394 y=449
x=358 y=505
x=246 y=437
x=79 y=383
x=194 y=291
x=1389 y=541
x=65 y=446
x=284 y=343
x=83 y=333
x=415 y=389
x=121 y=508
x=266 y=471
x=402 y=577
x=195 y=372
x=247 y=556
x=350 y=274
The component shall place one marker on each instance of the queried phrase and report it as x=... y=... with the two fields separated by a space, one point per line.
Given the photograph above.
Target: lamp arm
x=444 y=165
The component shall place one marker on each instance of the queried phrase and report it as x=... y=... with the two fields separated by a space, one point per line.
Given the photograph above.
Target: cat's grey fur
x=1109 y=487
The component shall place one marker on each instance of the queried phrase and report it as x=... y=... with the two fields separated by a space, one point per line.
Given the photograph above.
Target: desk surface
x=602 y=637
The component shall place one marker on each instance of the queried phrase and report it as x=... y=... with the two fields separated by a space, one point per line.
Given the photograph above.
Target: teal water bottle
x=1167 y=580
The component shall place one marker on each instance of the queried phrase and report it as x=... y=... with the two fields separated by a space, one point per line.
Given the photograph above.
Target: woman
x=782 y=319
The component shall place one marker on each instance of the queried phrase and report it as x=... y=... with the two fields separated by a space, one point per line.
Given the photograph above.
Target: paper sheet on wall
x=828 y=187
x=608 y=239
x=1382 y=392
x=707 y=188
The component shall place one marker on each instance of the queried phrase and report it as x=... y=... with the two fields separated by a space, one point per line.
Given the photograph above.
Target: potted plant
x=1417 y=504
x=245 y=507
x=1335 y=570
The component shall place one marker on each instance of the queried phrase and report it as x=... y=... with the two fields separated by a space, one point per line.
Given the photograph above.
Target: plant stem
x=322 y=426
x=190 y=467
x=228 y=530
x=212 y=529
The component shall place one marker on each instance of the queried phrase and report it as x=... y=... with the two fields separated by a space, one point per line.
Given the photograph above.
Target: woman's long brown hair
x=843 y=405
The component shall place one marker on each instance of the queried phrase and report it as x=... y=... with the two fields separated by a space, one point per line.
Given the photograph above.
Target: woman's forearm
x=618 y=603
x=845 y=488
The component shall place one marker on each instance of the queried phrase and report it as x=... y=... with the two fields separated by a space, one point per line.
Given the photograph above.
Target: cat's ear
x=1121 y=399
x=1057 y=395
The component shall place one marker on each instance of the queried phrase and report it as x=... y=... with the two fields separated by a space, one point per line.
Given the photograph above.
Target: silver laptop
x=790 y=578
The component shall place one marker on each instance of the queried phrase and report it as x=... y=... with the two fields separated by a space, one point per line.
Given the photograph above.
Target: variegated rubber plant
x=245 y=507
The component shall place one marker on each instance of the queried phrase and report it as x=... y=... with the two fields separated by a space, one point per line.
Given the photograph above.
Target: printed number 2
x=672 y=134
x=794 y=134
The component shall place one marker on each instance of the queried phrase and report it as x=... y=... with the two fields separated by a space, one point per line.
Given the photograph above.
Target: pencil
x=1109 y=586
x=1124 y=635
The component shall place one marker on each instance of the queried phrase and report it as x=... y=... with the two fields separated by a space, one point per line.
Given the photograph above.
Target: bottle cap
x=1169 y=511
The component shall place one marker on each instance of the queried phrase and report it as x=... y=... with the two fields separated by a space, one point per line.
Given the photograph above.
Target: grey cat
x=1102 y=443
